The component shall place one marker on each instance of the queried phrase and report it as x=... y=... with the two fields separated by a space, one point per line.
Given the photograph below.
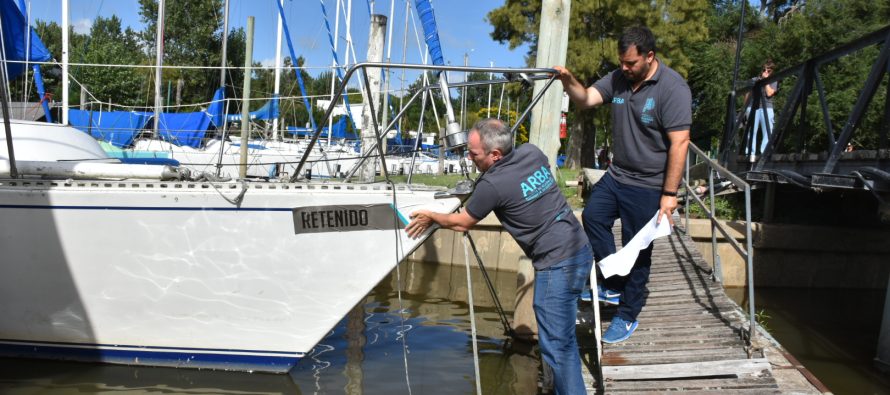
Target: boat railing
x=523 y=75
x=710 y=211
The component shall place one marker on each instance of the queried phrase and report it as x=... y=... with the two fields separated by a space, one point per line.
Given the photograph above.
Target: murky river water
x=833 y=333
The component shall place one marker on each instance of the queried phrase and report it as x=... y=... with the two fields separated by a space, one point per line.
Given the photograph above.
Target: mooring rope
x=472 y=316
x=403 y=333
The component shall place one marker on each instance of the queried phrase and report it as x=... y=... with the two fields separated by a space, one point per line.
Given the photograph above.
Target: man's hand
x=421 y=220
x=668 y=205
x=563 y=74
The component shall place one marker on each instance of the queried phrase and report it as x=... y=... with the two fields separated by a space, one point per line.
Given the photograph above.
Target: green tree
x=108 y=44
x=193 y=37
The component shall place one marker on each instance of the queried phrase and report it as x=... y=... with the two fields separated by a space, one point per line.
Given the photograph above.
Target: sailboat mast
x=159 y=59
x=64 y=62
x=334 y=70
x=278 y=71
x=225 y=41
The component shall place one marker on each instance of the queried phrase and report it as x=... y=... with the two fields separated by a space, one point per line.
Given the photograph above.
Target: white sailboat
x=238 y=276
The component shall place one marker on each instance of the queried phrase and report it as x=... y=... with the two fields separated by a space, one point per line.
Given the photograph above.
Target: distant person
x=651 y=117
x=519 y=187
x=603 y=157
x=764 y=107
x=849 y=147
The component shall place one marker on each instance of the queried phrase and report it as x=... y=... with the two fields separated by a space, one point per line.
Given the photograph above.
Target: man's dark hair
x=639 y=36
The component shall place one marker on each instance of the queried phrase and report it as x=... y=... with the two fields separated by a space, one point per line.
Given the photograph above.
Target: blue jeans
x=557 y=289
x=608 y=201
x=760 y=123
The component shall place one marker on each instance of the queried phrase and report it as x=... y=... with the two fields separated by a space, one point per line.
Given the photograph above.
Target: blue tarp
x=14 y=33
x=339 y=131
x=217 y=107
x=184 y=129
x=116 y=127
x=266 y=112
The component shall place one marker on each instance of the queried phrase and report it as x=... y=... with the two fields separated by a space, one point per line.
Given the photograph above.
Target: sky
x=462 y=28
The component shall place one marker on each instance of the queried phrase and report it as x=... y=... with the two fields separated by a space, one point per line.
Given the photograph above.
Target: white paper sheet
x=622 y=261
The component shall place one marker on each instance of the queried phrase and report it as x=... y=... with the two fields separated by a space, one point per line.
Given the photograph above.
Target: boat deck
x=690 y=335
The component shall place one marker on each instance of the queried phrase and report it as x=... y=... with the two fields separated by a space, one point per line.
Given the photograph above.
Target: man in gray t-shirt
x=651 y=117
x=521 y=191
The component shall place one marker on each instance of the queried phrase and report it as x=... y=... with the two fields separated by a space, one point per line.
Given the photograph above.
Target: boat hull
x=223 y=276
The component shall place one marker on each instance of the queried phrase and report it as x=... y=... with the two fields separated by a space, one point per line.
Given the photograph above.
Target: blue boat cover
x=15 y=47
x=184 y=129
x=339 y=131
x=217 y=107
x=266 y=112
x=116 y=127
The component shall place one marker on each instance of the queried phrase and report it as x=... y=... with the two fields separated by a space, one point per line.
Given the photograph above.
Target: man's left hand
x=667 y=207
x=421 y=220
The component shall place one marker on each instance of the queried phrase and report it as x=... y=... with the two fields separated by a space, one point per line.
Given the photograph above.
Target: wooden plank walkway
x=689 y=337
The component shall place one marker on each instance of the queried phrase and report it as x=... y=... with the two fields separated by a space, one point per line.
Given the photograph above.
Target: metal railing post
x=750 y=250
x=686 y=199
x=718 y=268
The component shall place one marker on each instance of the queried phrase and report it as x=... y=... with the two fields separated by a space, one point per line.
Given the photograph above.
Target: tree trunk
x=581 y=149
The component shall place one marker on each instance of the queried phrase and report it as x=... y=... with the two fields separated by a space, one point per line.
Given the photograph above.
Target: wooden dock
x=690 y=334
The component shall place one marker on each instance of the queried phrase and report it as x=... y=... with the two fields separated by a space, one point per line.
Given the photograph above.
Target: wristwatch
x=668 y=193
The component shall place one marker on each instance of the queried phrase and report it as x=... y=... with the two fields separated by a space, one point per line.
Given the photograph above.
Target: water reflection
x=832 y=332
x=381 y=347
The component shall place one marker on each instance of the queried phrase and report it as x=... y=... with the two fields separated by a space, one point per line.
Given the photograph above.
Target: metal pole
x=4 y=102
x=159 y=60
x=277 y=88
x=718 y=269
x=334 y=66
x=64 y=62
x=245 y=105
x=490 y=77
x=689 y=156
x=222 y=142
x=750 y=247
x=225 y=40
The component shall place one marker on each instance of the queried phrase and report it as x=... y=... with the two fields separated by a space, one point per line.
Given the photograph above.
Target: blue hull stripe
x=154 y=356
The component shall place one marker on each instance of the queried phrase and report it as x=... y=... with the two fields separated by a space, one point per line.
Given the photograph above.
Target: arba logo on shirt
x=537 y=183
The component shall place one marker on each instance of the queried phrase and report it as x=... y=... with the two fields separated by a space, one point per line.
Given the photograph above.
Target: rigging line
x=399 y=249
x=472 y=316
x=290 y=46
x=339 y=70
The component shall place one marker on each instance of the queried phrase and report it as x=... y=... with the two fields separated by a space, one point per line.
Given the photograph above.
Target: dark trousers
x=608 y=201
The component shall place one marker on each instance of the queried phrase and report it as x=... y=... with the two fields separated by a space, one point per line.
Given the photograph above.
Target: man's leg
x=556 y=300
x=598 y=217
x=637 y=207
x=766 y=136
x=759 y=128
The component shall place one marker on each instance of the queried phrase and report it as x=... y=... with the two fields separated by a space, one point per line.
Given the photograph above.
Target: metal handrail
x=748 y=252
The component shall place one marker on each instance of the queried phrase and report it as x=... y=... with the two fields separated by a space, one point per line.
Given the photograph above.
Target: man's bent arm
x=676 y=158
x=422 y=219
x=584 y=97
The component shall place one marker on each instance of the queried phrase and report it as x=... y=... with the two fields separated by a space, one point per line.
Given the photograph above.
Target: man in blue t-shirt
x=521 y=191
x=651 y=117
